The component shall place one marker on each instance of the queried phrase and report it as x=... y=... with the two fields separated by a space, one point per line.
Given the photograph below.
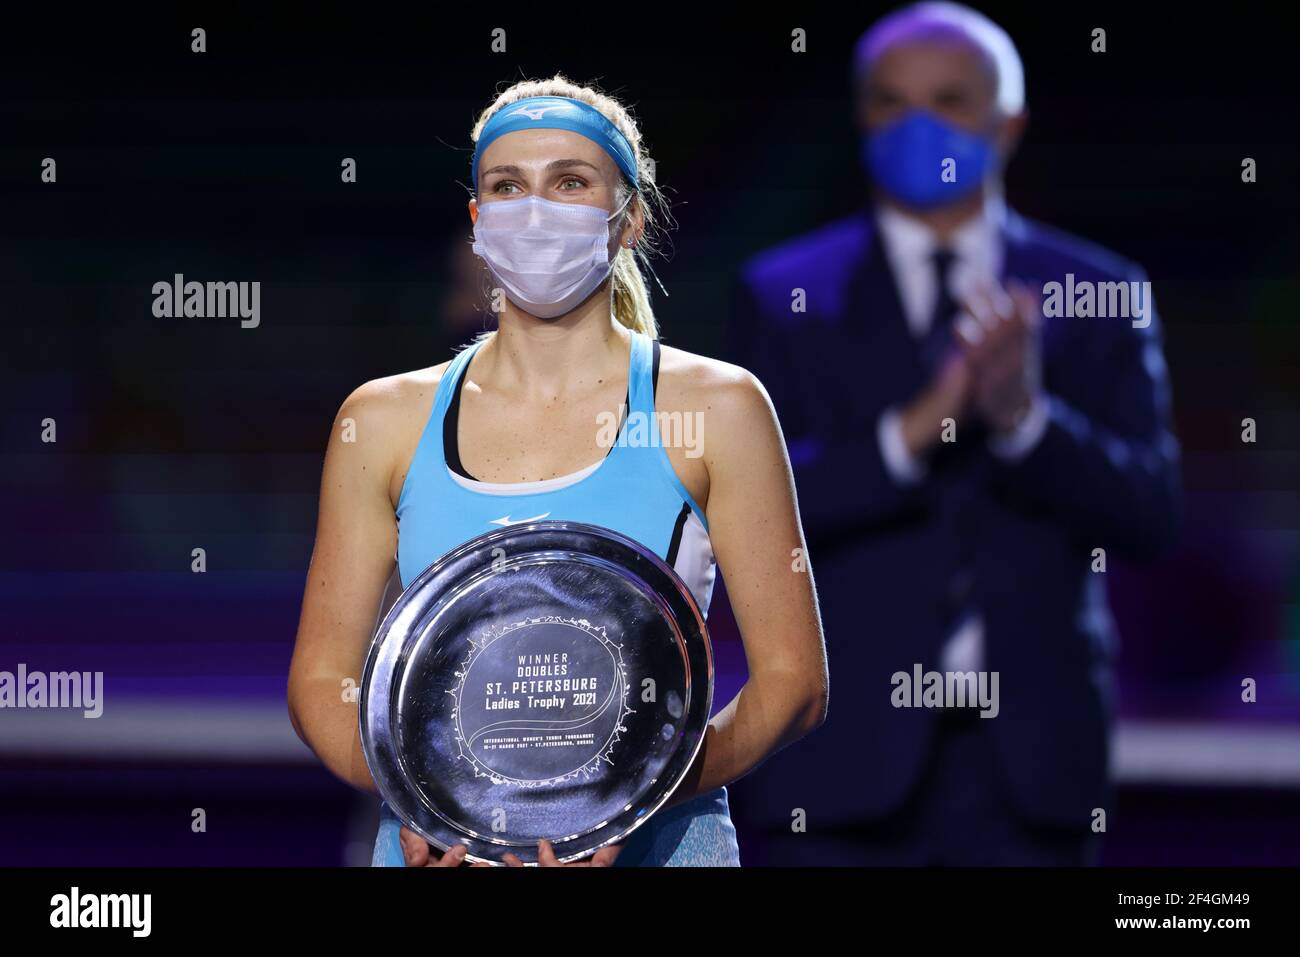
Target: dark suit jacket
x=885 y=556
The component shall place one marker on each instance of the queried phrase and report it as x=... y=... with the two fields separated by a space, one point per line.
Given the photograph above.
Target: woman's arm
x=356 y=536
x=759 y=546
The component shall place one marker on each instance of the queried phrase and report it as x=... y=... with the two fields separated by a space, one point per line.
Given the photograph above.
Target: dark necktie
x=939 y=336
x=936 y=344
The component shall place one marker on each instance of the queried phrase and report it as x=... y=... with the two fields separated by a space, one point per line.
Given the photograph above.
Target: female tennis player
x=515 y=428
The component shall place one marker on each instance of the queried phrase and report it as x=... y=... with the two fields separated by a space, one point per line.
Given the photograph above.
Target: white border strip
x=1207 y=754
x=1144 y=752
x=156 y=730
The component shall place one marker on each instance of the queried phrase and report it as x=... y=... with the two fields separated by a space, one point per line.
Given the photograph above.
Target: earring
x=631 y=243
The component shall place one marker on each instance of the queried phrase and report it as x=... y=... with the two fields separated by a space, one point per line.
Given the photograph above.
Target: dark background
x=183 y=433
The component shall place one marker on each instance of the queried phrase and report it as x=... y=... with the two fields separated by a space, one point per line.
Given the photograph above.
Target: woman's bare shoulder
x=379 y=425
x=691 y=382
x=392 y=401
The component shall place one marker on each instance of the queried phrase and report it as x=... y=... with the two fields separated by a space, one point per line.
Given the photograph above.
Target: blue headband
x=559 y=113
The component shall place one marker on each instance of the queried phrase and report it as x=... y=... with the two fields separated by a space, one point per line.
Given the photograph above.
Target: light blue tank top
x=633 y=490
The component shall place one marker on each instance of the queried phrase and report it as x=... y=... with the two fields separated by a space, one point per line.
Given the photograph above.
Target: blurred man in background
x=966 y=462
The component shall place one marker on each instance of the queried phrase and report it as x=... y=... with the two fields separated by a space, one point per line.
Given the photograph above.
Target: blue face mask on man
x=908 y=159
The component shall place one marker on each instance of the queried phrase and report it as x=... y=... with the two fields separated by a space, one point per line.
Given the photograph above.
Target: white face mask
x=547 y=256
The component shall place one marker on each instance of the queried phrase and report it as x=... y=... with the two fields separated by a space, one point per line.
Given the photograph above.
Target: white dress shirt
x=977 y=248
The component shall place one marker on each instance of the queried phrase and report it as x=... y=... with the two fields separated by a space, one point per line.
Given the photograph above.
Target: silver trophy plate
x=549 y=680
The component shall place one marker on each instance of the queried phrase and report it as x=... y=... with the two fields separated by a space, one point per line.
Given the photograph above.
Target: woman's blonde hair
x=631 y=297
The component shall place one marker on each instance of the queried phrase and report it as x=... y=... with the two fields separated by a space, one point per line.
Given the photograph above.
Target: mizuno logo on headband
x=536 y=114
